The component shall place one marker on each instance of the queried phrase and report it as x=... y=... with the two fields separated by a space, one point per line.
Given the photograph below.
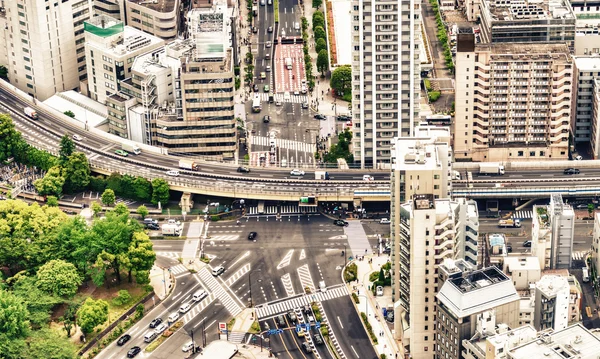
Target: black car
x=255 y=87
x=527 y=244
x=252 y=235
x=390 y=316
x=270 y=29
x=571 y=171
x=340 y=222
x=155 y=322
x=306 y=348
x=509 y=248
x=320 y=117
x=243 y=169
x=267 y=119
x=317 y=338
x=153 y=226
x=124 y=339
x=254 y=29
x=133 y=352
x=344 y=118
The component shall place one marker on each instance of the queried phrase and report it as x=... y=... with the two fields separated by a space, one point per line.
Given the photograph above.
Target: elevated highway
x=522 y=179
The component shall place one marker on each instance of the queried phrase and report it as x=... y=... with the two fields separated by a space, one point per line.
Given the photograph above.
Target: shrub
x=350 y=272
x=434 y=96
x=122 y=298
x=368 y=326
x=373 y=276
x=355 y=297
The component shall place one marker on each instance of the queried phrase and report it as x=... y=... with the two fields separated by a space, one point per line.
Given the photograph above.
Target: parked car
x=344 y=118
x=133 y=352
x=266 y=119
x=571 y=171
x=255 y=88
x=384 y=221
x=252 y=235
x=153 y=226
x=527 y=244
x=243 y=169
x=270 y=29
x=155 y=322
x=254 y=29
x=340 y=222
x=77 y=138
x=122 y=153
x=124 y=339
x=509 y=248
x=296 y=172
x=320 y=117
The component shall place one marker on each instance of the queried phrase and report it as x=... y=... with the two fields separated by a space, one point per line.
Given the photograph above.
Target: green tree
x=321 y=45
x=381 y=275
x=10 y=138
x=317 y=3
x=52 y=201
x=52 y=183
x=67 y=147
x=341 y=149
x=590 y=208
x=96 y=208
x=114 y=182
x=142 y=211
x=69 y=113
x=323 y=61
x=3 y=72
x=12 y=348
x=341 y=79
x=97 y=184
x=121 y=208
x=38 y=302
x=127 y=187
x=59 y=278
x=319 y=33
x=140 y=255
x=76 y=172
x=47 y=344
x=318 y=16
x=160 y=191
x=142 y=188
x=108 y=197
x=91 y=314
x=68 y=319
x=13 y=316
x=123 y=297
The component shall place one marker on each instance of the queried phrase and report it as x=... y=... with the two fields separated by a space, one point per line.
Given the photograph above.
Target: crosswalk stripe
x=178 y=269
x=579 y=256
x=283 y=144
x=210 y=282
x=305 y=278
x=279 y=97
x=223 y=237
x=287 y=305
x=286 y=209
x=198 y=308
x=237 y=275
x=523 y=214
x=168 y=254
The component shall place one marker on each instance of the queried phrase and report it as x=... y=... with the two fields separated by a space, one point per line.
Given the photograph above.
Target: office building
x=551 y=303
x=425 y=233
x=110 y=49
x=494 y=344
x=524 y=271
x=595 y=252
x=513 y=101
x=470 y=303
x=575 y=293
x=587 y=68
x=595 y=120
x=520 y=21
x=552 y=233
x=587 y=31
x=112 y=8
x=158 y=17
x=47 y=53
x=573 y=342
x=386 y=39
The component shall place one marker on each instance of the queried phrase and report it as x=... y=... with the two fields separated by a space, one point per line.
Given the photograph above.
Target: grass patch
x=205 y=260
x=355 y=297
x=255 y=328
x=350 y=272
x=369 y=327
x=276 y=10
x=230 y=324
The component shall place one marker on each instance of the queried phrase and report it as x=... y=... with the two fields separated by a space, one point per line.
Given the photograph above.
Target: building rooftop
x=103 y=25
x=477 y=291
x=551 y=285
x=526 y=51
x=572 y=342
x=422 y=151
x=157 y=5
x=131 y=41
x=587 y=63
x=522 y=263
x=512 y=338
x=523 y=10
x=85 y=109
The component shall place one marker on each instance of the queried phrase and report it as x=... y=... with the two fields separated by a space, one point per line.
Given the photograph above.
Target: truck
x=31 y=113
x=255 y=10
x=512 y=223
x=321 y=175
x=131 y=148
x=189 y=165
x=170 y=229
x=491 y=168
x=288 y=63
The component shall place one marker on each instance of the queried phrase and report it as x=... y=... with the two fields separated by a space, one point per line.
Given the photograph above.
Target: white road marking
x=340 y=321
x=354 y=350
x=286 y=260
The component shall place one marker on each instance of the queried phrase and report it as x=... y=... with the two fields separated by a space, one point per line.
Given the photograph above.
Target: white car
x=172 y=173
x=187 y=346
x=262 y=2
x=578 y=158
x=296 y=26
x=77 y=138
x=367 y=178
x=161 y=328
x=296 y=172
x=268 y=44
x=384 y=221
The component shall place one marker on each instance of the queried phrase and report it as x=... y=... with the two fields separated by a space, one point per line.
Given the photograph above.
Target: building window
x=520 y=153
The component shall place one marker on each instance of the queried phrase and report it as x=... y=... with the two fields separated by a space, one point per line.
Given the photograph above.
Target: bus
x=439 y=120
x=256 y=107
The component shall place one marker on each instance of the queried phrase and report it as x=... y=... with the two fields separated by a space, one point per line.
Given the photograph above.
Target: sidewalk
x=372 y=306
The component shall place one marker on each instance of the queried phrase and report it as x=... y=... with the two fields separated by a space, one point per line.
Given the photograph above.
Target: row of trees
x=48 y=256
x=318 y=23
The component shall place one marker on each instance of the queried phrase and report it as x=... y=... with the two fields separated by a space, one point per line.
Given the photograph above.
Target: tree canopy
x=91 y=314
x=323 y=61
x=13 y=316
x=160 y=191
x=67 y=147
x=59 y=278
x=341 y=79
x=76 y=173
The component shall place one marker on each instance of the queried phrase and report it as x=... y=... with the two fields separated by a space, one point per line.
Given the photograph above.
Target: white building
x=596 y=244
x=495 y=344
x=587 y=68
x=552 y=233
x=551 y=303
x=572 y=342
x=110 y=49
x=45 y=45
x=523 y=271
x=386 y=76
x=157 y=17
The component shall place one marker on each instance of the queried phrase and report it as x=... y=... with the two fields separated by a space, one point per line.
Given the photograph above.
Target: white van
x=585 y=275
x=173 y=317
x=322 y=286
x=185 y=308
x=150 y=336
x=199 y=295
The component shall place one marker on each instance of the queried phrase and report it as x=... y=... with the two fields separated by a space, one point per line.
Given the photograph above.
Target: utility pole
x=193 y=344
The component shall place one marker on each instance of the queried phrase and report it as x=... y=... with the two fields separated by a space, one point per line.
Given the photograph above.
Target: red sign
x=222 y=327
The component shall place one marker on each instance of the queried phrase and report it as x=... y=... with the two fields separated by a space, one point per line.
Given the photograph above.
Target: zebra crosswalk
x=283 y=143
x=198 y=308
x=236 y=337
x=178 y=269
x=237 y=275
x=579 y=256
x=169 y=254
x=284 y=306
x=287 y=209
x=305 y=278
x=523 y=214
x=226 y=299
x=264 y=97
x=224 y=237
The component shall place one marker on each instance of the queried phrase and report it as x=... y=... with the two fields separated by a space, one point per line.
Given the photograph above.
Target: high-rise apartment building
x=521 y=21
x=470 y=303
x=111 y=48
x=595 y=245
x=112 y=8
x=513 y=101
x=587 y=68
x=551 y=303
x=595 y=120
x=552 y=234
x=386 y=40
x=47 y=45
x=158 y=17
